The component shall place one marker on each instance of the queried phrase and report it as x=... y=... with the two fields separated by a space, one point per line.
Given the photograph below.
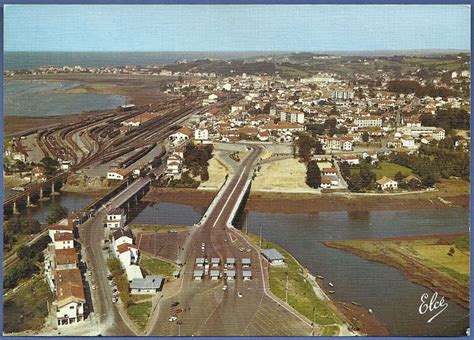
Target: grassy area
x=301 y=295
x=154 y=227
x=462 y=243
x=428 y=252
x=291 y=72
x=446 y=188
x=154 y=266
x=388 y=169
x=27 y=308
x=140 y=313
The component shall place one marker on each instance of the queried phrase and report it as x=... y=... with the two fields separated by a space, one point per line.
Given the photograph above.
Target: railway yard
x=103 y=139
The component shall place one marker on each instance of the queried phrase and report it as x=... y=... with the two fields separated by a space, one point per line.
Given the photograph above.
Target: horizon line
x=238 y=51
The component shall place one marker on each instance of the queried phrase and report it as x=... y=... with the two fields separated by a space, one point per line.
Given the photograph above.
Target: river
x=69 y=200
x=374 y=285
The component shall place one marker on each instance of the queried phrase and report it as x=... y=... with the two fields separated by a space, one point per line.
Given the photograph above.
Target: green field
x=301 y=295
x=390 y=169
x=387 y=169
x=140 y=313
x=154 y=266
x=27 y=308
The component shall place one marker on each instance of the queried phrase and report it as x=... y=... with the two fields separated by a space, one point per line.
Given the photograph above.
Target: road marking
x=228 y=198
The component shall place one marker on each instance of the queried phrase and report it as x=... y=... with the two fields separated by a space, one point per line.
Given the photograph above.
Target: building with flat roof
x=151 y=284
x=215 y=261
x=198 y=275
x=246 y=262
x=247 y=275
x=214 y=274
x=133 y=272
x=199 y=261
x=273 y=256
x=230 y=261
x=230 y=274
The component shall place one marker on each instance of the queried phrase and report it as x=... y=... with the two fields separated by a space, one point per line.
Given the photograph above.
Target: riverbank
x=450 y=193
x=438 y=262
x=307 y=297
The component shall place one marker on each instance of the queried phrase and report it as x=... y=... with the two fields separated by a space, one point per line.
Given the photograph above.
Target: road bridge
x=245 y=307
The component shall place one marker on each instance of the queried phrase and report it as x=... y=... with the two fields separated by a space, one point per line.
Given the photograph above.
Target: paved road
x=91 y=236
x=211 y=311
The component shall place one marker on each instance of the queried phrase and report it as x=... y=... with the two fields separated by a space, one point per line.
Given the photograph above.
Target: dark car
x=174 y=304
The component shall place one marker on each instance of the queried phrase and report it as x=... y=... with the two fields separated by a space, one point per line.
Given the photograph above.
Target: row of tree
x=29 y=258
x=411 y=86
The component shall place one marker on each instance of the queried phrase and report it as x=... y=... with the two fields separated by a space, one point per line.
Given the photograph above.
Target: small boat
x=370 y=310
x=320 y=277
x=331 y=291
x=355 y=303
x=331 y=284
x=18 y=189
x=468 y=331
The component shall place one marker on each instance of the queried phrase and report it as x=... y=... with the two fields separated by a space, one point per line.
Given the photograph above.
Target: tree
x=20 y=166
x=50 y=165
x=59 y=212
x=399 y=177
x=345 y=169
x=313 y=175
x=355 y=183
x=365 y=137
x=367 y=176
x=429 y=181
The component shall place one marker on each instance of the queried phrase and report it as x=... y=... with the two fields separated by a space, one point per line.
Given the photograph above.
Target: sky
x=235 y=27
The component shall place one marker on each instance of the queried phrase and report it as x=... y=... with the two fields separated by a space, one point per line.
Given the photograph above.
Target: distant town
x=331 y=130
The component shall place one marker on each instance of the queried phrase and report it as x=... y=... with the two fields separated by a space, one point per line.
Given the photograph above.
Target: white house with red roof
x=127 y=254
x=63 y=241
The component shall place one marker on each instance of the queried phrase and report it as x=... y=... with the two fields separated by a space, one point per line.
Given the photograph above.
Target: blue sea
x=32 y=60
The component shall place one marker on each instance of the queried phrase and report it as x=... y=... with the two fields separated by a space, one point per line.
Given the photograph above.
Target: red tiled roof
x=63 y=237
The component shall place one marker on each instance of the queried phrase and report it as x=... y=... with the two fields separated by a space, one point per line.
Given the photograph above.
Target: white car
x=239 y=294
x=94 y=287
x=224 y=288
x=172 y=318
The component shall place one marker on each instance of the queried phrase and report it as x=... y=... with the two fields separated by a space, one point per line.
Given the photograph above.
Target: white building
x=368 y=121
x=116 y=218
x=386 y=183
x=70 y=297
x=127 y=254
x=120 y=237
x=292 y=117
x=118 y=174
x=63 y=241
x=151 y=284
x=201 y=134
x=342 y=95
x=408 y=142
